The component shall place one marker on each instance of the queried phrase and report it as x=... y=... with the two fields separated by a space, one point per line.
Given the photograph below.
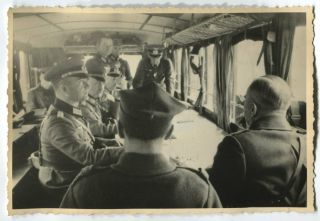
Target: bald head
x=266 y=95
x=270 y=92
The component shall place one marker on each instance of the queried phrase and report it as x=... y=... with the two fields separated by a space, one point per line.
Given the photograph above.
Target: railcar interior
x=215 y=57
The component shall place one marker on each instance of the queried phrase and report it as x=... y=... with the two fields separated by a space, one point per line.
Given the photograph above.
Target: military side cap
x=155 y=50
x=96 y=69
x=71 y=67
x=148 y=110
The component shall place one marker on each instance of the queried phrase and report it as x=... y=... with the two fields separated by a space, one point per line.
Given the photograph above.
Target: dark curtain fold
x=17 y=94
x=185 y=73
x=278 y=45
x=223 y=55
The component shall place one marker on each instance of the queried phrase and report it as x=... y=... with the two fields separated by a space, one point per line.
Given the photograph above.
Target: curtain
x=17 y=94
x=223 y=55
x=278 y=44
x=184 y=74
x=200 y=72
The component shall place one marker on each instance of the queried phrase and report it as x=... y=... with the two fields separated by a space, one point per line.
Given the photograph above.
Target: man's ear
x=64 y=89
x=169 y=133
x=254 y=109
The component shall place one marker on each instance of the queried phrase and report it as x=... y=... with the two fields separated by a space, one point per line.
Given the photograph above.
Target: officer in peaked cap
x=66 y=140
x=91 y=107
x=144 y=176
x=155 y=68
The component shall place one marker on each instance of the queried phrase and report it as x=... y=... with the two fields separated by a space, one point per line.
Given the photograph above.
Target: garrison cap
x=71 y=67
x=155 y=50
x=96 y=69
x=148 y=110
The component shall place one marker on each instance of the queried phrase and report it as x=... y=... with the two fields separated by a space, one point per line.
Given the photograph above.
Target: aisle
x=196 y=139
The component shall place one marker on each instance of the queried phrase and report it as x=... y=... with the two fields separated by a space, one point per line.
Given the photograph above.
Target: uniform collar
x=67 y=108
x=136 y=164
x=272 y=121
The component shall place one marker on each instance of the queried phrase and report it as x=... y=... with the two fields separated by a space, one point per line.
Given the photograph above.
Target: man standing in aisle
x=155 y=68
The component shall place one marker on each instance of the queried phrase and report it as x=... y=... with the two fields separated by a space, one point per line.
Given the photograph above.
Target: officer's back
x=144 y=176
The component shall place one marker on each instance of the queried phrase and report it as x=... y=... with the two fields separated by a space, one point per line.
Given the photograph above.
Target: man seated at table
x=144 y=177
x=91 y=107
x=263 y=165
x=42 y=96
x=67 y=143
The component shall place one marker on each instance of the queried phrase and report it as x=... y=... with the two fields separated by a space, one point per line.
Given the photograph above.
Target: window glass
x=133 y=61
x=297 y=75
x=246 y=69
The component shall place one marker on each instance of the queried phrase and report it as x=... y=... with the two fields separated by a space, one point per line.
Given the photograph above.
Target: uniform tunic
x=252 y=167
x=124 y=66
x=67 y=146
x=92 y=113
x=40 y=97
x=161 y=74
x=141 y=181
x=110 y=59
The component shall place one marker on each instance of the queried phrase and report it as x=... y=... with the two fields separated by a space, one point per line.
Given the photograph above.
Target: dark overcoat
x=141 y=181
x=253 y=167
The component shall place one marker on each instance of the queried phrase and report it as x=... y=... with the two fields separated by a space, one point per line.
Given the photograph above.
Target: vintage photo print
x=160 y=110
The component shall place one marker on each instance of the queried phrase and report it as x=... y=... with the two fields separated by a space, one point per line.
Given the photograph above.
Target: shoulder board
x=200 y=172
x=88 y=171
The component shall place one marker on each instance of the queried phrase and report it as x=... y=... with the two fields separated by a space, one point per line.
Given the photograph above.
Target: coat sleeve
x=228 y=171
x=139 y=76
x=213 y=199
x=97 y=127
x=75 y=197
x=65 y=137
x=69 y=199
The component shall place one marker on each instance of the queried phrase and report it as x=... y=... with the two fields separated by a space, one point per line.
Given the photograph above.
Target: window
x=133 y=61
x=246 y=69
x=297 y=75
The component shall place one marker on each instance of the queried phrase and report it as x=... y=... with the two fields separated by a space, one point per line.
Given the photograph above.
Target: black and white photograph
x=112 y=110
